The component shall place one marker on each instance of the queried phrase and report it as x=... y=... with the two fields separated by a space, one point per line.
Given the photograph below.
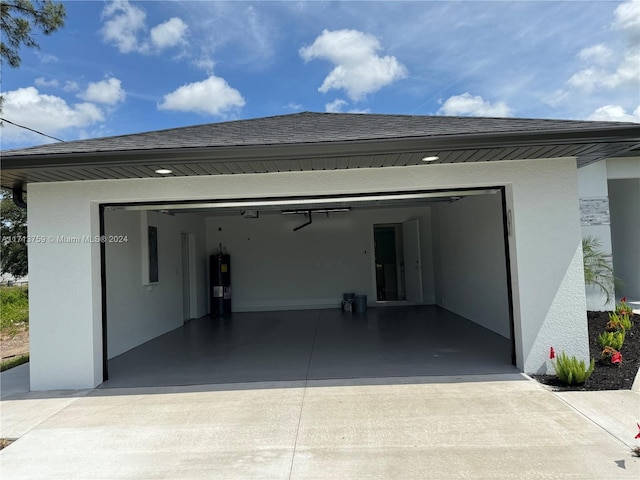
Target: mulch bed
x=605 y=377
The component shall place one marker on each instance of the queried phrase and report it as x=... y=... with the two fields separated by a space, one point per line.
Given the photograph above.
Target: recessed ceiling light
x=164 y=171
x=430 y=159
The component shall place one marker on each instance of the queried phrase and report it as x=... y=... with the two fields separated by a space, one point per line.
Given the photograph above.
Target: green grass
x=13 y=362
x=14 y=309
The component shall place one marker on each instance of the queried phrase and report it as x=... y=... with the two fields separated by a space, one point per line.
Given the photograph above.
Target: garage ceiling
x=279 y=205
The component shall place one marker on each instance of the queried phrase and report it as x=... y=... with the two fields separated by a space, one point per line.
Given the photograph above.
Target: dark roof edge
x=617 y=133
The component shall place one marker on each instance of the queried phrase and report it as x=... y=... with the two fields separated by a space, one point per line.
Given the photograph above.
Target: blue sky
x=125 y=67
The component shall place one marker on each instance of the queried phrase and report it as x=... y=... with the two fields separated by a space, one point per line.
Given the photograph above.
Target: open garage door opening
x=433 y=266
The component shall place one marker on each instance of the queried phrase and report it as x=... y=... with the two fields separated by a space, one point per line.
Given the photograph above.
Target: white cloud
x=245 y=34
x=123 y=24
x=169 y=34
x=108 y=91
x=627 y=18
x=212 y=96
x=473 y=106
x=46 y=113
x=626 y=70
x=335 y=106
x=359 y=70
x=43 y=82
x=47 y=57
x=206 y=64
x=615 y=113
x=125 y=27
x=599 y=54
x=70 y=86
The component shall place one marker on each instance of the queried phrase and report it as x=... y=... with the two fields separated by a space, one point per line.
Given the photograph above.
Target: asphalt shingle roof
x=309 y=127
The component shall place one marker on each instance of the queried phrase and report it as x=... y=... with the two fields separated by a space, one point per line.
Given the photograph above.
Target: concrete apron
x=504 y=426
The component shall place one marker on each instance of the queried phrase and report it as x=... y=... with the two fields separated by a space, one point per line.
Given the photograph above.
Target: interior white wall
x=275 y=268
x=624 y=197
x=592 y=184
x=470 y=266
x=137 y=312
x=65 y=295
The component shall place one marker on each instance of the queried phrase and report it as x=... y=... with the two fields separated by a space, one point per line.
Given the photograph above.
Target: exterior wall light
x=430 y=158
x=164 y=171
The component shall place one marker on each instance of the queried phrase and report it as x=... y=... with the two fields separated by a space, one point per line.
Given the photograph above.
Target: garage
x=486 y=208
x=432 y=265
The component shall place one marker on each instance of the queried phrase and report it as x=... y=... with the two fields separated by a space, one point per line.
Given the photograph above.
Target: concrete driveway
x=479 y=427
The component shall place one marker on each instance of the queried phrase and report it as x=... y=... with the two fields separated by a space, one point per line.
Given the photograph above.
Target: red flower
x=552 y=353
x=638 y=435
x=623 y=299
x=616 y=358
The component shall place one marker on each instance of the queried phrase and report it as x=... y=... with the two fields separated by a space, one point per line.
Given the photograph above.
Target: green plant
x=614 y=326
x=611 y=339
x=598 y=270
x=620 y=320
x=14 y=309
x=623 y=309
x=571 y=370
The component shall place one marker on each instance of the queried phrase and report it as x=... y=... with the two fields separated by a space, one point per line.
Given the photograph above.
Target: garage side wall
x=470 y=270
x=65 y=319
x=136 y=312
x=65 y=296
x=275 y=268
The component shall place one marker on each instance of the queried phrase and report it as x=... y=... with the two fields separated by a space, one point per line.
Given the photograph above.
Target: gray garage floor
x=314 y=345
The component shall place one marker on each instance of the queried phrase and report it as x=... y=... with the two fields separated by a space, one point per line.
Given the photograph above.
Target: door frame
x=189 y=280
x=346 y=197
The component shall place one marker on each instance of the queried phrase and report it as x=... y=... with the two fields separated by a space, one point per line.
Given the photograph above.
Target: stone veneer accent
x=594 y=211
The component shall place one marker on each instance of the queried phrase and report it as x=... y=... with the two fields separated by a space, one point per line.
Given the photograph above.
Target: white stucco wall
x=624 y=197
x=275 y=268
x=65 y=295
x=137 y=313
x=623 y=167
x=470 y=268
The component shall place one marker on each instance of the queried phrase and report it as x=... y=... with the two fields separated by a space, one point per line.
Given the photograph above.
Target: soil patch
x=15 y=345
x=5 y=442
x=605 y=377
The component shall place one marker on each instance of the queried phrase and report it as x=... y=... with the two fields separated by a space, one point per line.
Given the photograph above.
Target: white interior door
x=412 y=262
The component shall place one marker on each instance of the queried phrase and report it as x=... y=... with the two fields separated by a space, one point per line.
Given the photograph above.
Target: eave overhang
x=587 y=145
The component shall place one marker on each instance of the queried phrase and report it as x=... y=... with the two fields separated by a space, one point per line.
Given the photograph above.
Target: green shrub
x=621 y=320
x=571 y=371
x=598 y=270
x=14 y=308
x=614 y=325
x=622 y=308
x=611 y=339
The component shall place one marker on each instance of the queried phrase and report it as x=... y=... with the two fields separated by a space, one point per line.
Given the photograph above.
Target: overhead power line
x=31 y=129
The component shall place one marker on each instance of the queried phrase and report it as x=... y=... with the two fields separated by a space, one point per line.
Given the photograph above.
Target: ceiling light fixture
x=431 y=158
x=164 y=171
